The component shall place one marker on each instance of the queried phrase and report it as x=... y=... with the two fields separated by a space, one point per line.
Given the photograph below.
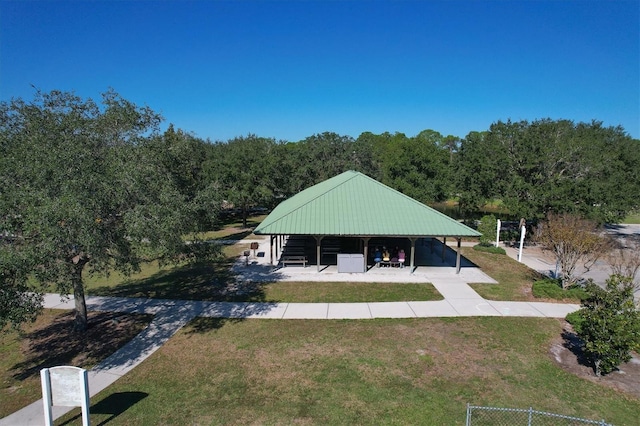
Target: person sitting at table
x=401 y=258
x=377 y=257
x=386 y=257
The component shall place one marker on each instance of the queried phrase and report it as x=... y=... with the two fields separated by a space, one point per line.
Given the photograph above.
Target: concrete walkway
x=171 y=315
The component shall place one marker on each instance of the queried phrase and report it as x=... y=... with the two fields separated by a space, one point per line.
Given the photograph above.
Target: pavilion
x=354 y=206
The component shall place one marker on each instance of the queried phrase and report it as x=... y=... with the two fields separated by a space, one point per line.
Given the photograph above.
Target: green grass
x=317 y=292
x=514 y=278
x=549 y=288
x=489 y=249
x=185 y=281
x=632 y=218
x=420 y=371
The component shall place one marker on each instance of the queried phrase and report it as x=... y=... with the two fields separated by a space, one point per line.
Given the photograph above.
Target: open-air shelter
x=353 y=205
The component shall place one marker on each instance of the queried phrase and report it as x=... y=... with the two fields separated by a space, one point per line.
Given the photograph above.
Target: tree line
x=534 y=168
x=98 y=186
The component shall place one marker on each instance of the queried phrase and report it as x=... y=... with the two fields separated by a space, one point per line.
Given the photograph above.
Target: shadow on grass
x=113 y=405
x=235 y=236
x=212 y=282
x=203 y=325
x=58 y=344
x=235 y=220
x=187 y=282
x=576 y=346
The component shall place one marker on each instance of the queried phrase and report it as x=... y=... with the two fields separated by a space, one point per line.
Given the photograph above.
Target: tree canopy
x=535 y=168
x=85 y=188
x=243 y=170
x=551 y=166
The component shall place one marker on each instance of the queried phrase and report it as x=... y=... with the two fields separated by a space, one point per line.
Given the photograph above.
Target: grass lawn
x=514 y=278
x=49 y=342
x=312 y=292
x=416 y=371
x=633 y=218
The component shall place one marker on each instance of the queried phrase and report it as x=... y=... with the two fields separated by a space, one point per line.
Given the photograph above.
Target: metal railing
x=495 y=416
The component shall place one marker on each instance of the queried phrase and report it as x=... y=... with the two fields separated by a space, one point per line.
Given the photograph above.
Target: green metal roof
x=353 y=204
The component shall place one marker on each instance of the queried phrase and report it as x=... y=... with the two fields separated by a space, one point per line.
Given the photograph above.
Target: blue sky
x=290 y=69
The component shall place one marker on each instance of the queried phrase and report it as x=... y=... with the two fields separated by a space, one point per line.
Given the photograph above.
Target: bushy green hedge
x=575 y=319
x=550 y=288
x=489 y=249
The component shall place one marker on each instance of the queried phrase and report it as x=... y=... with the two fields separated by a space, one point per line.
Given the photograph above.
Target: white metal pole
x=523 y=231
x=85 y=398
x=498 y=234
x=46 y=396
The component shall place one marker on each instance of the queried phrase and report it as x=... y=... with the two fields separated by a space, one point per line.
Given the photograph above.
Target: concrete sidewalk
x=460 y=300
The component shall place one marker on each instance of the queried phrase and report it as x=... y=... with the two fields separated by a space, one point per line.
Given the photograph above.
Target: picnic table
x=296 y=260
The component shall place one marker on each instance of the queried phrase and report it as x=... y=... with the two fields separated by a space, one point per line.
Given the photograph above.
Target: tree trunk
x=80 y=321
x=244 y=216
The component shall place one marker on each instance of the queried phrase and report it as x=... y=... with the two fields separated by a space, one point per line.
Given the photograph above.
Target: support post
x=366 y=252
x=413 y=255
x=318 y=242
x=458 y=255
x=271 y=237
x=498 y=233
x=444 y=247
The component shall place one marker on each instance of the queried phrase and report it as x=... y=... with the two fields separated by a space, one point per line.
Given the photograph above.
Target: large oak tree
x=85 y=190
x=585 y=169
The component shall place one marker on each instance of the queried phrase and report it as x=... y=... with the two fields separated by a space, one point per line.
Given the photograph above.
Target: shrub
x=576 y=319
x=489 y=249
x=550 y=288
x=611 y=324
x=487 y=227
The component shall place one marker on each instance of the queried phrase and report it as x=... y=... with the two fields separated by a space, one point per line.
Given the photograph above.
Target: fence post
x=468 y=422
x=530 y=415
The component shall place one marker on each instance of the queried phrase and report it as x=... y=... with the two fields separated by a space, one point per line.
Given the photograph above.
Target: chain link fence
x=494 y=416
